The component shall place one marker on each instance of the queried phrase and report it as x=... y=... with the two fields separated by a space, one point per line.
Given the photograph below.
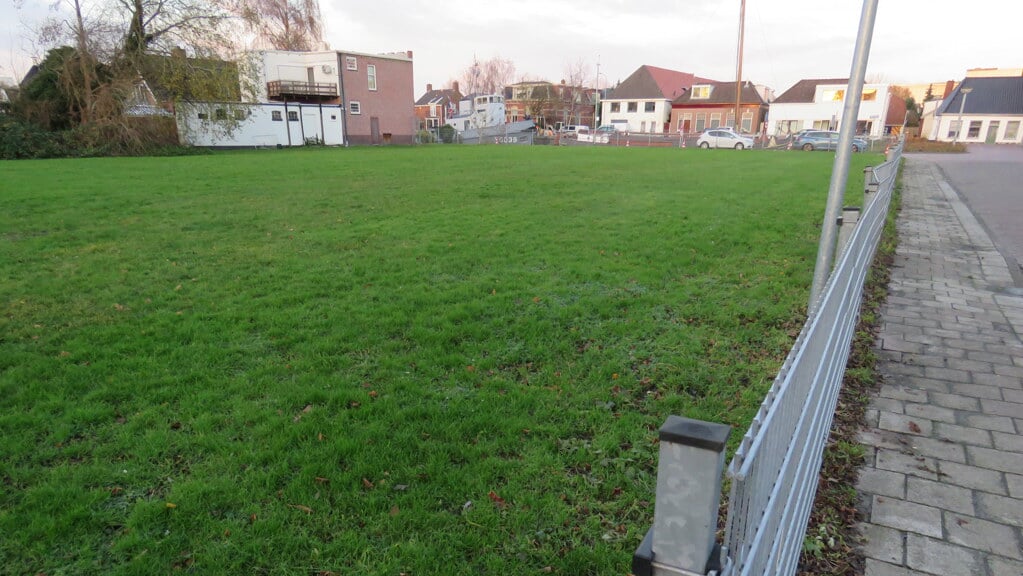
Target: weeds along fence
x=774 y=471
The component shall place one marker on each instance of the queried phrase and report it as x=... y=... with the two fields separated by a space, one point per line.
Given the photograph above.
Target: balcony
x=296 y=91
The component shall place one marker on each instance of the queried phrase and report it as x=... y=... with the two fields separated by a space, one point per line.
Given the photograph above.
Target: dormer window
x=700 y=92
x=832 y=95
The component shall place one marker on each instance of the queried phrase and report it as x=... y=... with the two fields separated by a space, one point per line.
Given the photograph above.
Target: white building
x=478 y=112
x=819 y=104
x=235 y=125
x=642 y=102
x=989 y=109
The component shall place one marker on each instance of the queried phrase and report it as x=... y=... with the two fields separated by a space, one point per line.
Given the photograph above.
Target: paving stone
x=971 y=366
x=999 y=380
x=957 y=376
x=962 y=434
x=999 y=408
x=908 y=516
x=931 y=412
x=878 y=568
x=928 y=384
x=998 y=423
x=1014 y=396
x=899 y=392
x=990 y=357
x=905 y=424
x=895 y=461
x=1010 y=371
x=977 y=391
x=973 y=477
x=887 y=405
x=955 y=401
x=940 y=495
x=940 y=449
x=882 y=482
x=965 y=530
x=1000 y=508
x=884 y=439
x=1004 y=566
x=995 y=459
x=940 y=558
x=1015 y=483
x=1009 y=442
x=882 y=543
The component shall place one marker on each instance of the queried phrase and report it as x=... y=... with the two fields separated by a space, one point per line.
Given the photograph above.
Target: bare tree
x=284 y=24
x=575 y=97
x=488 y=76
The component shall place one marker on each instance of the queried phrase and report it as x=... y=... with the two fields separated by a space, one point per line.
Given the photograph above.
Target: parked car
x=572 y=129
x=724 y=138
x=607 y=129
x=825 y=140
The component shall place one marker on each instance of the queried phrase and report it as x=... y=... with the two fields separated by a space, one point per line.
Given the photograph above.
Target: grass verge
x=441 y=360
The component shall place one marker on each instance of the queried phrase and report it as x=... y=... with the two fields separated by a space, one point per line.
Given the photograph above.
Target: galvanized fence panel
x=774 y=471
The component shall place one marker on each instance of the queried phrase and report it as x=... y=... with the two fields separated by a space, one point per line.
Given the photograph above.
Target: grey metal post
x=682 y=539
x=840 y=171
x=869 y=186
x=846 y=225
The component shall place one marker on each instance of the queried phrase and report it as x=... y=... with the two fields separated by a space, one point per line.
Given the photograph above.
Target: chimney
x=454 y=86
x=429 y=87
x=949 y=85
x=409 y=53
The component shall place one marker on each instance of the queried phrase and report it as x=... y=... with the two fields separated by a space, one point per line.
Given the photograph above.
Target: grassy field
x=443 y=360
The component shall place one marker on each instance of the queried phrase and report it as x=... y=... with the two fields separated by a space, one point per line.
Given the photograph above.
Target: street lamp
x=962 y=104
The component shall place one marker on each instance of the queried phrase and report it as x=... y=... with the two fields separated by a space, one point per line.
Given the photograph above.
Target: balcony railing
x=296 y=90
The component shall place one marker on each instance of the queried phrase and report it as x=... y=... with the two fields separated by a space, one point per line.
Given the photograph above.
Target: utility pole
x=840 y=170
x=738 y=73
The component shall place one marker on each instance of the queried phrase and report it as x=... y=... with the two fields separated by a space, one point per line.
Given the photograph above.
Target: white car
x=724 y=139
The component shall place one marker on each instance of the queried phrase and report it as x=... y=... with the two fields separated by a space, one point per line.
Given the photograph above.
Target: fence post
x=846 y=225
x=869 y=185
x=682 y=539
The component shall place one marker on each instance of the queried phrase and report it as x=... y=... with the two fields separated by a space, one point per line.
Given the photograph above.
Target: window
x=747 y=122
x=974 y=130
x=869 y=94
x=821 y=124
x=701 y=122
x=649 y=106
x=953 y=129
x=715 y=120
x=355 y=107
x=864 y=127
x=642 y=126
x=292 y=116
x=203 y=116
x=700 y=93
x=371 y=73
x=616 y=107
x=832 y=95
x=276 y=116
x=633 y=106
x=432 y=123
x=351 y=63
x=1011 y=129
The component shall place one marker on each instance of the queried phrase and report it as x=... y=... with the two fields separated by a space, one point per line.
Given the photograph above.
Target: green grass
x=445 y=360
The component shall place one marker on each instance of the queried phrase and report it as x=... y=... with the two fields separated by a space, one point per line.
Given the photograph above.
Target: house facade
x=435 y=106
x=374 y=90
x=550 y=105
x=985 y=108
x=643 y=101
x=710 y=105
x=818 y=104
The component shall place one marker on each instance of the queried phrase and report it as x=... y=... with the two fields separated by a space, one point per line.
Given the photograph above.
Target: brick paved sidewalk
x=943 y=484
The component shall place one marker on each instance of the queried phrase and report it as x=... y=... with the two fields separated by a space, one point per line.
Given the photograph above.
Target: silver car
x=724 y=139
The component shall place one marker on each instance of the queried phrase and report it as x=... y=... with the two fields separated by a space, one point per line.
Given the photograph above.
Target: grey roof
x=987 y=96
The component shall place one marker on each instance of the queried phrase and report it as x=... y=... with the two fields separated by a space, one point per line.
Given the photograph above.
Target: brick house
x=435 y=106
x=712 y=104
x=549 y=104
x=375 y=90
x=643 y=101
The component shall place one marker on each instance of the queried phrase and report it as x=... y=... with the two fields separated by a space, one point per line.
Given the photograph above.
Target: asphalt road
x=989 y=178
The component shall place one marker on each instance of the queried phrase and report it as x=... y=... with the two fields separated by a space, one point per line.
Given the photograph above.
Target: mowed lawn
x=440 y=360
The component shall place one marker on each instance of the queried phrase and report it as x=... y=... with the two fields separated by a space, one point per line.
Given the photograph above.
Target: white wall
x=874 y=111
x=259 y=128
x=270 y=65
x=947 y=121
x=653 y=122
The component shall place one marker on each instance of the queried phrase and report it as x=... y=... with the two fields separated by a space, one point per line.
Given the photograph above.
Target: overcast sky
x=786 y=40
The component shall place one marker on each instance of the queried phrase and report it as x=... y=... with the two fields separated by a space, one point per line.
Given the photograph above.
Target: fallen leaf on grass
x=497 y=500
x=308 y=408
x=171 y=505
x=373 y=394
x=322 y=480
x=367 y=484
x=252 y=519
x=305 y=509
x=394 y=510
x=319 y=436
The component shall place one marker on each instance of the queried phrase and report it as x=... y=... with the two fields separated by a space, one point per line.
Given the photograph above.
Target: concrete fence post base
x=682 y=539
